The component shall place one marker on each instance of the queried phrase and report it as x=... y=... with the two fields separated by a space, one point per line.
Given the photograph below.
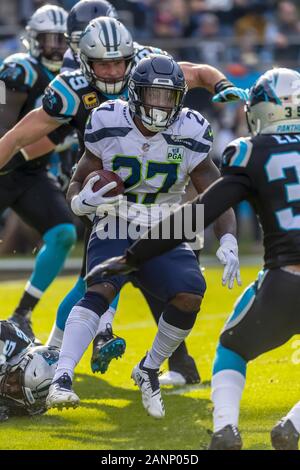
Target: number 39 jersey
x=272 y=166
x=156 y=169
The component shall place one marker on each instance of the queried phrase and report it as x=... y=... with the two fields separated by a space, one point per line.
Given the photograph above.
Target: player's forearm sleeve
x=222 y=195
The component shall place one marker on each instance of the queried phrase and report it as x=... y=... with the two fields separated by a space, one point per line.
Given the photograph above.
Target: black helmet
x=81 y=14
x=157 y=88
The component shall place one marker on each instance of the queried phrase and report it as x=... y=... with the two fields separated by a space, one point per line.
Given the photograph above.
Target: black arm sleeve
x=220 y=196
x=58 y=135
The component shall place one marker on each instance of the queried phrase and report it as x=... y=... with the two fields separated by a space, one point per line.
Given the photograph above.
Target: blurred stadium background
x=241 y=37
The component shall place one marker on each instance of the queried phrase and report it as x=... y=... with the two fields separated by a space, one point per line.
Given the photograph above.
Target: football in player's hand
x=106 y=177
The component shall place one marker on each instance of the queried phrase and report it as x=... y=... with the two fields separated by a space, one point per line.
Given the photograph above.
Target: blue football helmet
x=156 y=89
x=81 y=14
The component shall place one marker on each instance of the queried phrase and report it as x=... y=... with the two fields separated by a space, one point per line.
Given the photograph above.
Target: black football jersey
x=69 y=98
x=23 y=73
x=271 y=164
x=12 y=340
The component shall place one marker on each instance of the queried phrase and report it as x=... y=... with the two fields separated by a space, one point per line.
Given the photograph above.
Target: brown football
x=106 y=177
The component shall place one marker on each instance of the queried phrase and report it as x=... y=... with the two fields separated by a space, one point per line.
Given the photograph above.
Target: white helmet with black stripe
x=106 y=39
x=45 y=36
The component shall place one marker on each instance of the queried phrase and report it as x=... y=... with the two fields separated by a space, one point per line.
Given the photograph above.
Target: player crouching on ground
x=26 y=372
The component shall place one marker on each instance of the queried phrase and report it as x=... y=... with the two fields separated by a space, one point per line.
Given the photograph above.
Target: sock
x=28 y=301
x=108 y=316
x=80 y=331
x=166 y=341
x=157 y=307
x=56 y=337
x=49 y=261
x=64 y=309
x=229 y=376
x=227 y=388
x=71 y=299
x=294 y=416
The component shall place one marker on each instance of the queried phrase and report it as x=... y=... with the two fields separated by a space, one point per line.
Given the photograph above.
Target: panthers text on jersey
x=24 y=74
x=70 y=98
x=156 y=169
x=272 y=165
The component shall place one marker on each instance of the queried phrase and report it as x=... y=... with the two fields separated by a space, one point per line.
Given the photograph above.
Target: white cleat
x=147 y=381
x=61 y=394
x=172 y=378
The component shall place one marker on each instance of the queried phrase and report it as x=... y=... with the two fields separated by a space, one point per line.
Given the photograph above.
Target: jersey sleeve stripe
x=69 y=98
x=30 y=73
x=190 y=144
x=242 y=156
x=107 y=132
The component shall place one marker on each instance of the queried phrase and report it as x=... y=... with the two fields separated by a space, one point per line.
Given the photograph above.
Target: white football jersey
x=156 y=169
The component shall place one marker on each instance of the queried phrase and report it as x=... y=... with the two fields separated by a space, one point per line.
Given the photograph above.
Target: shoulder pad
x=69 y=62
x=237 y=153
x=191 y=131
x=144 y=51
x=25 y=63
x=193 y=123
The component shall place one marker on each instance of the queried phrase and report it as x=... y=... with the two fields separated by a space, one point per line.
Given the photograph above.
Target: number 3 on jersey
x=168 y=170
x=275 y=169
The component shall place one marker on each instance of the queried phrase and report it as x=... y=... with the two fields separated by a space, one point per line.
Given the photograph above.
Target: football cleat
x=61 y=394
x=106 y=346
x=147 y=381
x=24 y=323
x=183 y=372
x=284 y=435
x=228 y=438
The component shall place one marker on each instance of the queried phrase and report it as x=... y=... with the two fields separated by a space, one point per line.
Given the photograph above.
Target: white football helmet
x=106 y=39
x=273 y=106
x=25 y=380
x=45 y=36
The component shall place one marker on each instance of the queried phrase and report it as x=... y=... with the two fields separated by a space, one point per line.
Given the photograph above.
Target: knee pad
x=62 y=236
x=179 y=318
x=228 y=359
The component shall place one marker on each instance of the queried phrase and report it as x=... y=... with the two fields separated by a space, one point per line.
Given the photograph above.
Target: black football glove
x=111 y=267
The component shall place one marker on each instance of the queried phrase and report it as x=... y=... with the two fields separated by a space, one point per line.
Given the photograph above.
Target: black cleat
x=106 y=346
x=181 y=372
x=284 y=436
x=24 y=323
x=228 y=438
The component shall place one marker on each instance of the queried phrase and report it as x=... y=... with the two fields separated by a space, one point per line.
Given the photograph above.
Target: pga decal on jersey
x=175 y=154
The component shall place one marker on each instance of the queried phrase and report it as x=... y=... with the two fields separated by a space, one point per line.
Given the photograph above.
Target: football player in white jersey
x=137 y=140
x=66 y=100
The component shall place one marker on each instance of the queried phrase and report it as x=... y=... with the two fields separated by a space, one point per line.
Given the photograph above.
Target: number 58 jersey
x=156 y=169
x=269 y=166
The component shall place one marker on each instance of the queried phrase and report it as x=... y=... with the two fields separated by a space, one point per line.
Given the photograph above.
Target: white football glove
x=87 y=201
x=227 y=254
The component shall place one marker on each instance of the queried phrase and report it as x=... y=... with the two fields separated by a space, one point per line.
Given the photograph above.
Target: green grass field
x=111 y=415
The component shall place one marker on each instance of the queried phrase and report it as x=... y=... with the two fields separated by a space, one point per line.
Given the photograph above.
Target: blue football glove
x=231 y=94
